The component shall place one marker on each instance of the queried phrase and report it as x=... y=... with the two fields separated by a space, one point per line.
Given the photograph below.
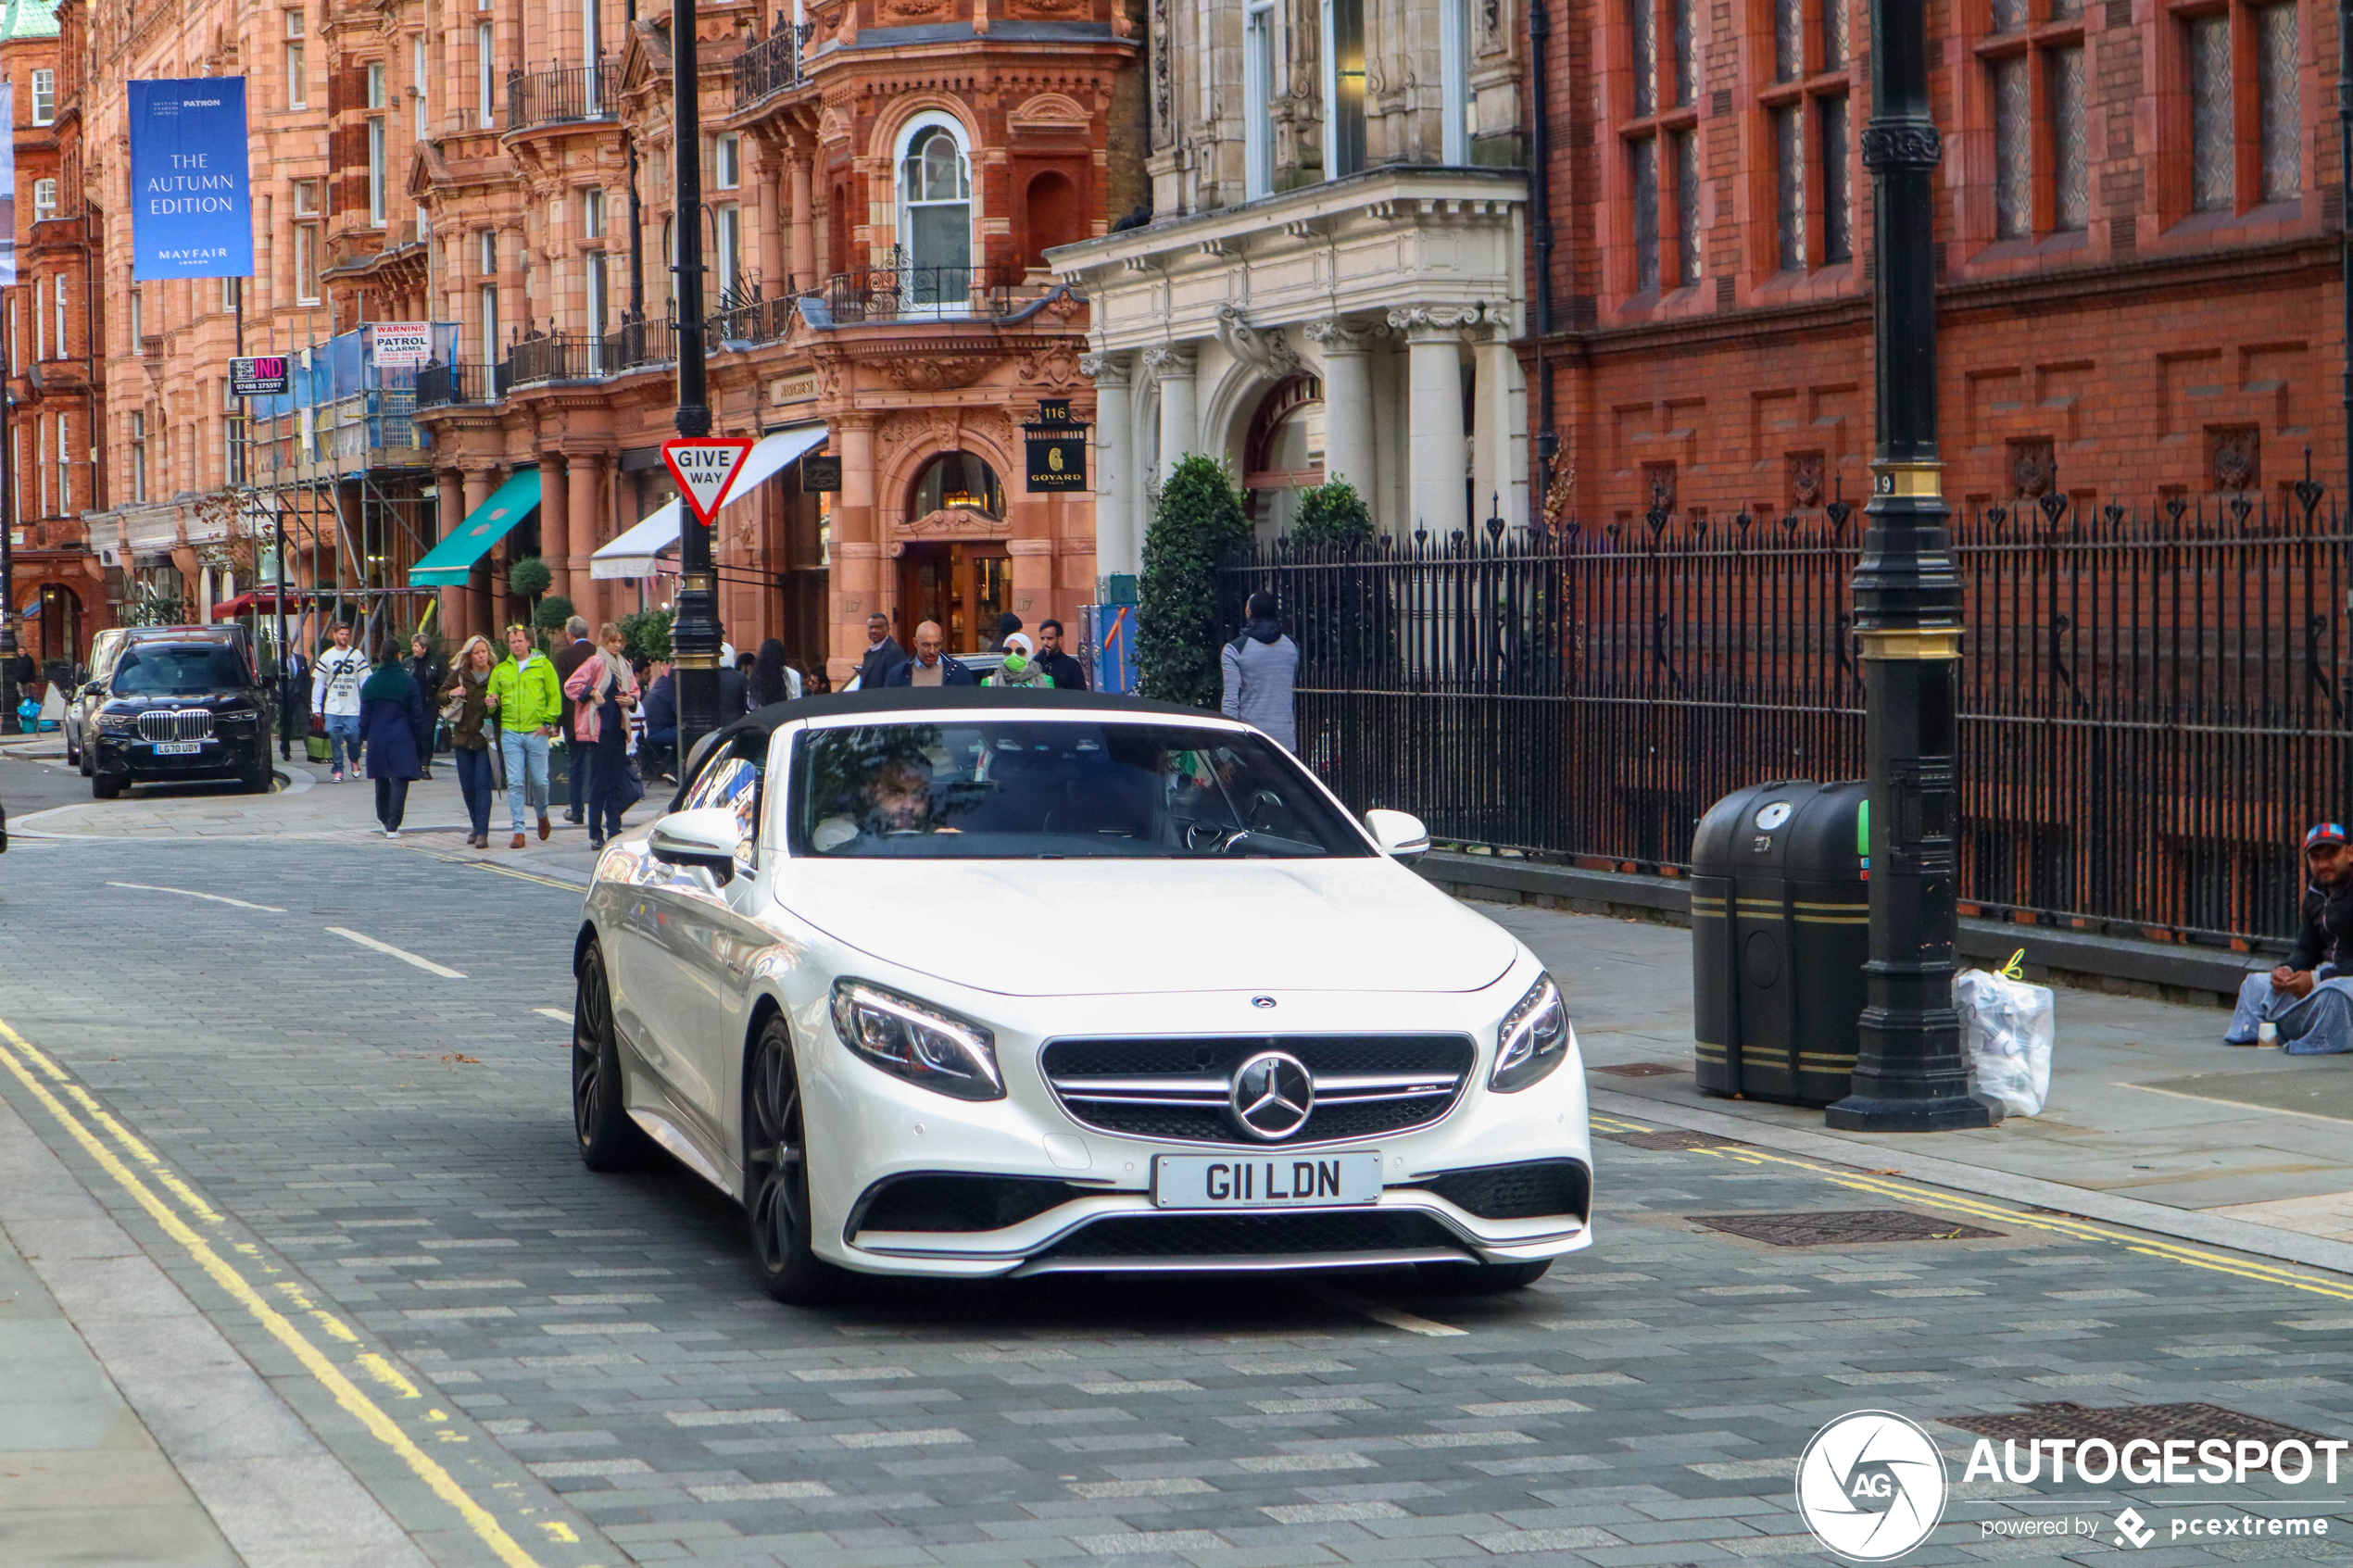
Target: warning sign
x=403 y=345
x=705 y=470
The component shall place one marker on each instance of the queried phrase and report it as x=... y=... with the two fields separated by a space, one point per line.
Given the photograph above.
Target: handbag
x=497 y=758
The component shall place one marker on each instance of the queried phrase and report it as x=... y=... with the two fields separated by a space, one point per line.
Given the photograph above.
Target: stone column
x=1117 y=547
x=804 y=222
x=857 y=588
x=585 y=518
x=769 y=220
x=555 y=525
x=1499 y=477
x=482 y=584
x=1179 y=423
x=1348 y=406
x=1437 y=454
x=457 y=610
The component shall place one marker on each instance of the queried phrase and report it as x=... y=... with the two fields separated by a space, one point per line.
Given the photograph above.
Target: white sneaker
x=392 y=832
x=337 y=778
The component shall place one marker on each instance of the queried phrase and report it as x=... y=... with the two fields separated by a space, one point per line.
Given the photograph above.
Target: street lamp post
x=694 y=630
x=9 y=723
x=1908 y=1074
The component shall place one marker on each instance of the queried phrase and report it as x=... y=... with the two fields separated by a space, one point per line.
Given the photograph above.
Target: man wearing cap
x=2309 y=999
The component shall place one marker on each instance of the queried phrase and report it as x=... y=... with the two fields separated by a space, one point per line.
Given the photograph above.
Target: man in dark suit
x=580 y=760
x=1069 y=675
x=931 y=666
x=883 y=654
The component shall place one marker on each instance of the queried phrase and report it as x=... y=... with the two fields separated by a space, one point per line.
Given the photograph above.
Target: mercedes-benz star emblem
x=1272 y=1095
x=1262 y=1001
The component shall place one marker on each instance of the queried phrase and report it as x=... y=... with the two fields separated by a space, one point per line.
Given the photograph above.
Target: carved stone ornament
x=1266 y=351
x=1105 y=370
x=935 y=373
x=1804 y=479
x=1336 y=336
x=1168 y=362
x=952 y=519
x=889 y=13
x=1904 y=143
x=2234 y=455
x=2034 y=466
x=1426 y=321
x=1163 y=120
x=1054 y=364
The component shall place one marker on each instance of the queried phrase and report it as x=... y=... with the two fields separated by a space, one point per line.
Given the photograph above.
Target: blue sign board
x=191 y=200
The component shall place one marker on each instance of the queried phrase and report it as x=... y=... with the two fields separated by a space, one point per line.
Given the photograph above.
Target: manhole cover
x=2124 y=1424
x=1842 y=1227
x=1639 y=1070
x=1675 y=1137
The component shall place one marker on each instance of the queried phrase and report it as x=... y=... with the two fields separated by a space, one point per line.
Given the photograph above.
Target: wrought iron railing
x=771 y=66
x=751 y=320
x=548 y=358
x=632 y=344
x=2154 y=703
x=891 y=293
x=570 y=93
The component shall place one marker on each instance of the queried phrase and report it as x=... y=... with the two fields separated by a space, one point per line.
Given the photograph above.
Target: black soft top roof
x=894 y=700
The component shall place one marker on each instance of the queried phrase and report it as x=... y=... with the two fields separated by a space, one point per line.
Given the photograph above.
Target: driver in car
x=898 y=802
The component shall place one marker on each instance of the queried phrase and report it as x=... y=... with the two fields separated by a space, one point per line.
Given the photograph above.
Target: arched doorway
x=964 y=584
x=53 y=629
x=1283 y=453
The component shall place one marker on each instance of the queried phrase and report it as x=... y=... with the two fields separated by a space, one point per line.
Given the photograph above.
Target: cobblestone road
x=528 y=1363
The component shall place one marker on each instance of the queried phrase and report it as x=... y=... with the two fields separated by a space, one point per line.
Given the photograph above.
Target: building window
x=417 y=80
x=727 y=162
x=379 y=169
x=297 y=64
x=375 y=84
x=305 y=193
x=1260 y=58
x=65 y=471
x=44 y=97
x=485 y=83
x=595 y=265
x=935 y=215
x=2034 y=86
x=2275 y=55
x=138 y=455
x=57 y=305
x=138 y=318
x=1343 y=87
x=40 y=318
x=486 y=301
x=727 y=231
x=962 y=481
x=1660 y=132
x=44 y=199
x=306 y=263
x=592 y=213
x=41 y=459
x=1810 y=125
x=1458 y=103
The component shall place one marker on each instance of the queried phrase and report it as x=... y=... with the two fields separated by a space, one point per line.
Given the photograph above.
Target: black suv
x=175 y=709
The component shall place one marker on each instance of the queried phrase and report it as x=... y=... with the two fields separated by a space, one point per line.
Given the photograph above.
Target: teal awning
x=449 y=564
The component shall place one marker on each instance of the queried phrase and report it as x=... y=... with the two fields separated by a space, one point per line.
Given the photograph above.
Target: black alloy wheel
x=776 y=1177
x=609 y=1141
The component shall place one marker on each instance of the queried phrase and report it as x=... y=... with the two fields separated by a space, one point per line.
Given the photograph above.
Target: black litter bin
x=1780 y=930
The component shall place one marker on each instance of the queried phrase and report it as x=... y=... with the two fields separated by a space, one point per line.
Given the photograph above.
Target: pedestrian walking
x=2307 y=1003
x=529 y=703
x=430 y=675
x=392 y=710
x=932 y=666
x=335 y=697
x=465 y=707
x=1021 y=671
x=1007 y=624
x=576 y=651
x=883 y=654
x=294 y=679
x=734 y=691
x=1262 y=669
x=603 y=691
x=1068 y=673
x=773 y=679
x=660 y=753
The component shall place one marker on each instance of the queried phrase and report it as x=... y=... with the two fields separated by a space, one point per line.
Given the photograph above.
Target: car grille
x=1232 y=1235
x=183 y=725
x=1179 y=1089
x=1516 y=1192
x=958 y=1203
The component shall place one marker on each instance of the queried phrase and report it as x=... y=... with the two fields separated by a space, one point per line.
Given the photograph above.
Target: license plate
x=1266 y=1181
x=178 y=747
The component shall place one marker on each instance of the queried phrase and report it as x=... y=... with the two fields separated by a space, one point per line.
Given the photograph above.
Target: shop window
x=958 y=481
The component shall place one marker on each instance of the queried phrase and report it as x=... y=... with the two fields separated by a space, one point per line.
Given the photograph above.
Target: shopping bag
x=2008 y=1028
x=497 y=760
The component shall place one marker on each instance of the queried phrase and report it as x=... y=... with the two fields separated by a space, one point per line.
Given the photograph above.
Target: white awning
x=634 y=553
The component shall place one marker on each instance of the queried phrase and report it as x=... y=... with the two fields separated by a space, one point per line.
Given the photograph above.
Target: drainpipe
x=1540 y=223
x=636 y=219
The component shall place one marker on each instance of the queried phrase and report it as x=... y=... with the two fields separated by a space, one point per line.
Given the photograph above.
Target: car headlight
x=907 y=1039
x=115 y=724
x=1533 y=1041
x=238 y=715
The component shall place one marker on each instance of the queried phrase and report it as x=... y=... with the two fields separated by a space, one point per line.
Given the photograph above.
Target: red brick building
x=2136 y=231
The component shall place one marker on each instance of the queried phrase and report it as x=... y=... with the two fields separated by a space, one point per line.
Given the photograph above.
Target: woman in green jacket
x=527 y=701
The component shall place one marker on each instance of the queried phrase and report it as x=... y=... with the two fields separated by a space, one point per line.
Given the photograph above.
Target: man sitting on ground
x=2310 y=998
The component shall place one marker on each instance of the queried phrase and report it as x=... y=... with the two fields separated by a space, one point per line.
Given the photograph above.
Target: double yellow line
x=50 y=1084
x=1982 y=1209
x=503 y=871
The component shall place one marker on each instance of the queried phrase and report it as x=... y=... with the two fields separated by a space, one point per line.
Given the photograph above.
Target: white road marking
x=402 y=954
x=191 y=893
x=557 y=1014
x=1392 y=1316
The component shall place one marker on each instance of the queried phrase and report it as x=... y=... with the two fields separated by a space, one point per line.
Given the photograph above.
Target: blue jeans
x=343 y=732
x=526 y=772
x=474 y=782
x=2320 y=1024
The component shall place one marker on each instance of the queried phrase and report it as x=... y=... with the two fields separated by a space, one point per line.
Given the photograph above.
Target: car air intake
x=1246 y=1235
x=1524 y=1191
x=1180 y=1089
x=926 y=1202
x=187 y=723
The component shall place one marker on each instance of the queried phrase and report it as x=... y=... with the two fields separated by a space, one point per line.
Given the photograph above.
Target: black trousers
x=580 y=759
x=392 y=802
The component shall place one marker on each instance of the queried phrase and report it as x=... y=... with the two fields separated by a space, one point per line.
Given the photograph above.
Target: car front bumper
x=222 y=757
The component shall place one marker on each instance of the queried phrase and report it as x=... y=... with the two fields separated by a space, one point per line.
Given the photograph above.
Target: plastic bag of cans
x=2007 y=1030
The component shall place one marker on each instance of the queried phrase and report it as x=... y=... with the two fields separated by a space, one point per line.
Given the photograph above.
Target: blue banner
x=191 y=202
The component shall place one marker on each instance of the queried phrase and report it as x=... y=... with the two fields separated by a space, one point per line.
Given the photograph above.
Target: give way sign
x=705 y=470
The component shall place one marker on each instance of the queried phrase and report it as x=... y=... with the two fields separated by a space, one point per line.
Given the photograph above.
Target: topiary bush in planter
x=1199 y=521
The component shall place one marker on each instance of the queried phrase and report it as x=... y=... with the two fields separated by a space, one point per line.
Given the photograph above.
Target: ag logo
x=1870 y=1485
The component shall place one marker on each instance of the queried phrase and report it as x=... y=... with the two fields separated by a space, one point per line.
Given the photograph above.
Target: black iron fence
x=570 y=93
x=2152 y=703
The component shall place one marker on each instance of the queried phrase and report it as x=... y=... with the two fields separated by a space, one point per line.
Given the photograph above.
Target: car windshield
x=1003 y=790
x=179 y=670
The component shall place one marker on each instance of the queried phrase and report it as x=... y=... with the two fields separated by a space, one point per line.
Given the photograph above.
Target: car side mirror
x=1400 y=834
x=705 y=836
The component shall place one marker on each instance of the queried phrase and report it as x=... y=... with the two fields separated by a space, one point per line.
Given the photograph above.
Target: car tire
x=256 y=779
x=106 y=786
x=1483 y=1279
x=776 y=1177
x=609 y=1141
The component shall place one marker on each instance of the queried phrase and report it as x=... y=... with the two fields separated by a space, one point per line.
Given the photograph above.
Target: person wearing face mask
x=1021 y=671
x=2305 y=1004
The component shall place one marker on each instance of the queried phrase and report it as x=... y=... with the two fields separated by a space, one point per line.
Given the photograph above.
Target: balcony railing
x=556 y=97
x=903 y=294
x=771 y=66
x=550 y=357
x=746 y=318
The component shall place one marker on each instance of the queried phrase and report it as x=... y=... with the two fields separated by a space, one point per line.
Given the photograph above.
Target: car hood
x=1032 y=928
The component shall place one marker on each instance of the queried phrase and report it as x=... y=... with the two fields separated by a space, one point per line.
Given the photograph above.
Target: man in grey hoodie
x=1261 y=666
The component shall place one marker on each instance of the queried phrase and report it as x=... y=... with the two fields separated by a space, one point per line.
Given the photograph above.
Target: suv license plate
x=178 y=747
x=1216 y=1180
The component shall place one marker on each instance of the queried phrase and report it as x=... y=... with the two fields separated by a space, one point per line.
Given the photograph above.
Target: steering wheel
x=1204 y=836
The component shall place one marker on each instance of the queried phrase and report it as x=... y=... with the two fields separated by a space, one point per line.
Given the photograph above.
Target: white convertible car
x=975 y=983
